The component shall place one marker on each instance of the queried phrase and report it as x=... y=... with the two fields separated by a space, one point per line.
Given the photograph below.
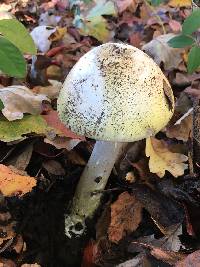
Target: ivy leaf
x=192 y=23
x=16 y=33
x=12 y=61
x=193 y=59
x=181 y=41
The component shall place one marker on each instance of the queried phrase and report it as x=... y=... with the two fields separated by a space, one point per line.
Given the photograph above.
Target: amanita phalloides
x=114 y=94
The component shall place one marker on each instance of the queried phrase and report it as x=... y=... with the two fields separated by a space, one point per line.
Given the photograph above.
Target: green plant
x=15 y=41
x=187 y=38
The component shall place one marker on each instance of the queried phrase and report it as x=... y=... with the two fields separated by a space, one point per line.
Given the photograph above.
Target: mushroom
x=114 y=94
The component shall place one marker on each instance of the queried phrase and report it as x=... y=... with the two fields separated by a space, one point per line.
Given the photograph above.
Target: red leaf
x=53 y=121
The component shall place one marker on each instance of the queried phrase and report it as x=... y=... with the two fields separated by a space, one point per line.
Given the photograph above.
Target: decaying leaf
x=63 y=142
x=160 y=51
x=15 y=130
x=162 y=159
x=18 y=100
x=12 y=183
x=180 y=3
x=126 y=214
x=181 y=130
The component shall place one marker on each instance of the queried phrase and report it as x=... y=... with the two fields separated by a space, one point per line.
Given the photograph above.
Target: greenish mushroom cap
x=115 y=92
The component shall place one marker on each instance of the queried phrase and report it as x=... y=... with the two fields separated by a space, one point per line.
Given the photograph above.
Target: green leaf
x=14 y=130
x=12 y=61
x=16 y=33
x=156 y=2
x=193 y=59
x=191 y=23
x=181 y=41
x=102 y=8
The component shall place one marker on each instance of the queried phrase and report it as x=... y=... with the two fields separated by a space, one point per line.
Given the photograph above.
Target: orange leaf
x=12 y=183
x=126 y=215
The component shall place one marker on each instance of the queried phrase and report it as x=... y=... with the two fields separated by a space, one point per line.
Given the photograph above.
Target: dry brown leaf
x=14 y=184
x=51 y=91
x=162 y=159
x=18 y=100
x=160 y=51
x=192 y=260
x=63 y=142
x=126 y=215
x=180 y=3
x=182 y=130
x=124 y=4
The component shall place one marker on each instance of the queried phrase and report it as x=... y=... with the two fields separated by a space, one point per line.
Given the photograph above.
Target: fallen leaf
x=19 y=244
x=40 y=35
x=7 y=263
x=122 y=5
x=175 y=25
x=63 y=142
x=53 y=121
x=14 y=184
x=180 y=131
x=169 y=257
x=15 y=130
x=126 y=215
x=53 y=167
x=162 y=159
x=192 y=260
x=51 y=91
x=160 y=51
x=193 y=92
x=89 y=253
x=18 y=100
x=48 y=19
x=180 y=3
x=92 y=23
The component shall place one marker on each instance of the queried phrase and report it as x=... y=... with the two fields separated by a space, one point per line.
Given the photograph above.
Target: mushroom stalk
x=93 y=179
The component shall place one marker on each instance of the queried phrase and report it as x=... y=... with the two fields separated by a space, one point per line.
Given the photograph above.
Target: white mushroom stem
x=93 y=179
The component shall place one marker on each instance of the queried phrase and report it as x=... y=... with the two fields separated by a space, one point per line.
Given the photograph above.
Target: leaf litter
x=152 y=195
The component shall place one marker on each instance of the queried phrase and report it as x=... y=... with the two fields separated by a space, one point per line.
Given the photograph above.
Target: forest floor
x=149 y=214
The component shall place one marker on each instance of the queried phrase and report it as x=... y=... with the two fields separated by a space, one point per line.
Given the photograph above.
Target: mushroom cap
x=116 y=92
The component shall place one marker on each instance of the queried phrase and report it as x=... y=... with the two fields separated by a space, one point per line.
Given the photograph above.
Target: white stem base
x=94 y=178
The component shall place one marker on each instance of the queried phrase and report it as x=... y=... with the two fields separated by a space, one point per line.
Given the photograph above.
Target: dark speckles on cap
x=115 y=92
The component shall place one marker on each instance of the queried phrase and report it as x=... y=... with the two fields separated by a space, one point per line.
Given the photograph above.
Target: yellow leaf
x=13 y=183
x=162 y=159
x=180 y=3
x=58 y=34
